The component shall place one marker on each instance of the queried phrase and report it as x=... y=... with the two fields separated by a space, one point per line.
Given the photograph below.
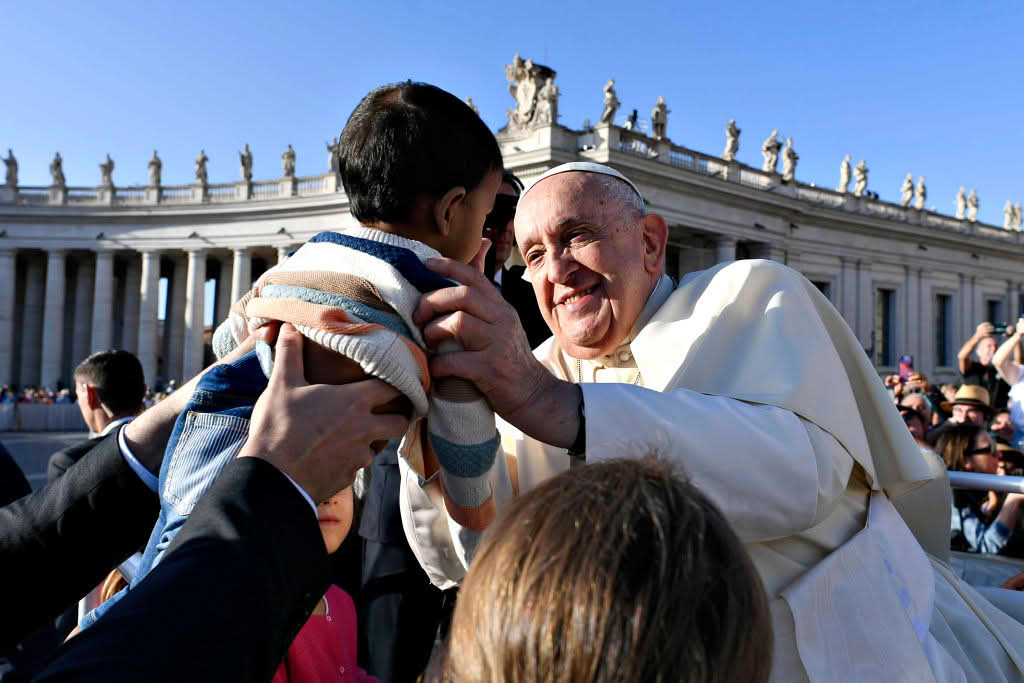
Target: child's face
x=335 y=518
x=467 y=220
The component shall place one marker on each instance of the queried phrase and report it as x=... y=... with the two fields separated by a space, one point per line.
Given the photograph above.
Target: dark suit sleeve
x=61 y=541
x=226 y=601
x=61 y=461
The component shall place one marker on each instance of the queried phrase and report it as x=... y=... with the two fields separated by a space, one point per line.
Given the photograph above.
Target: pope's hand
x=319 y=435
x=497 y=356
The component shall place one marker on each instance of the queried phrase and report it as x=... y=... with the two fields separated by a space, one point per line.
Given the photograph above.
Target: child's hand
x=478 y=260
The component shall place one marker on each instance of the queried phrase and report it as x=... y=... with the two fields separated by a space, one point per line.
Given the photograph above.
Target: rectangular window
x=944 y=330
x=994 y=310
x=885 y=314
x=824 y=287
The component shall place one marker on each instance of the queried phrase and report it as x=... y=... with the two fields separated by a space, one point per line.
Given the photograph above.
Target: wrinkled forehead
x=560 y=201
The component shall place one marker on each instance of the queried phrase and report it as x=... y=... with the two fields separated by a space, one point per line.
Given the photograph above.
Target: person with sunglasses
x=509 y=279
x=978 y=524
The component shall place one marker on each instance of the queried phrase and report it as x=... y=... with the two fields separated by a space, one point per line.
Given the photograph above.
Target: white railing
x=313 y=185
x=977 y=481
x=33 y=195
x=221 y=192
x=82 y=195
x=681 y=159
x=753 y=178
x=634 y=144
x=176 y=193
x=130 y=195
x=266 y=189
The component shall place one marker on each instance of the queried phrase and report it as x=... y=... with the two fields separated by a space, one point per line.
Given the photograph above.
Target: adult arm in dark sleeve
x=59 y=542
x=233 y=590
x=61 y=461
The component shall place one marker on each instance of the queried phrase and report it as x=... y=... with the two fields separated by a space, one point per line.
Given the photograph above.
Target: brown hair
x=956 y=441
x=617 y=571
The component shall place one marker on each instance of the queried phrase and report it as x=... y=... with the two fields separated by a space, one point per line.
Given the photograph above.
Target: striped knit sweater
x=355 y=292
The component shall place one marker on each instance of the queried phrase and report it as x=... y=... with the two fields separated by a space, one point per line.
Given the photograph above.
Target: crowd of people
x=971 y=426
x=38 y=395
x=579 y=509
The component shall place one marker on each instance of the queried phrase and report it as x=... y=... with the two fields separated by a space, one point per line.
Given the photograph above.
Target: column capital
x=195 y=249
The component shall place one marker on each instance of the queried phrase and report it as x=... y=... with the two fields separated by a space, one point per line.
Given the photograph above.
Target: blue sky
x=933 y=89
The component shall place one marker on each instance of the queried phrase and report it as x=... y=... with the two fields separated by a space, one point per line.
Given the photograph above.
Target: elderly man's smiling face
x=593 y=258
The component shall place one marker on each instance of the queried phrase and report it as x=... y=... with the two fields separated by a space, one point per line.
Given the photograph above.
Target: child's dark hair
x=409 y=139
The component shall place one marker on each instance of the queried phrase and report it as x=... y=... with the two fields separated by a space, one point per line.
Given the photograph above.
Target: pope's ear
x=655 y=237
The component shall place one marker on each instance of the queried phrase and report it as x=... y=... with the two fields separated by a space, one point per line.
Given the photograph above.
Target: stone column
x=865 y=304
x=725 y=249
x=222 y=298
x=8 y=276
x=912 y=337
x=241 y=274
x=80 y=346
x=195 y=311
x=174 y=321
x=149 y=295
x=282 y=253
x=130 y=334
x=103 y=302
x=32 y=329
x=53 y=318
x=847 y=300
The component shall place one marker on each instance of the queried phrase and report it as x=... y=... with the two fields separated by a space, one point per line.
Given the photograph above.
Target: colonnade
x=58 y=305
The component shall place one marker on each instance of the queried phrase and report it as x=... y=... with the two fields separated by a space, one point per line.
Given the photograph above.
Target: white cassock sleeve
x=771 y=473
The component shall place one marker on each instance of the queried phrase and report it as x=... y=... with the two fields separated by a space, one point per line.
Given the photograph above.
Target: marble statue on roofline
x=469 y=103
x=920 y=194
x=107 y=172
x=860 y=179
x=789 y=159
x=844 y=175
x=334 y=155
x=536 y=96
x=12 y=169
x=659 y=118
x=547 y=104
x=611 y=102
x=245 y=159
x=907 y=190
x=288 y=162
x=57 y=170
x=961 y=203
x=1018 y=216
x=155 y=167
x=201 y=160
x=972 y=206
x=1008 y=215
x=732 y=141
x=770 y=151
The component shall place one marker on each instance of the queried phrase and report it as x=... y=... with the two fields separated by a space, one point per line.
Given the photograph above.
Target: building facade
x=81 y=268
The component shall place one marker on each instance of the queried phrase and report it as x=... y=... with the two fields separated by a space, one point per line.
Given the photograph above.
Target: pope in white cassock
x=748 y=378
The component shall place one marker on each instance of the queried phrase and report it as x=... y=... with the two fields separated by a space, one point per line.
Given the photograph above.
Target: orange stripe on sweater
x=329 y=319
x=476 y=518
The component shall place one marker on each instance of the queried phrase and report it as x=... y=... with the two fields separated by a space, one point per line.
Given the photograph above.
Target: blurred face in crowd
x=498 y=227
x=335 y=518
x=918 y=403
x=1001 y=425
x=965 y=413
x=915 y=424
x=981 y=457
x=593 y=258
x=985 y=349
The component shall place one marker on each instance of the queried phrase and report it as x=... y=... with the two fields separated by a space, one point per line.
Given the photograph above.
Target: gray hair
x=621 y=193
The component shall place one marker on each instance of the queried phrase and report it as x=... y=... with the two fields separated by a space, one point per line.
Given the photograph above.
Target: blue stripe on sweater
x=359 y=310
x=405 y=261
x=462 y=460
